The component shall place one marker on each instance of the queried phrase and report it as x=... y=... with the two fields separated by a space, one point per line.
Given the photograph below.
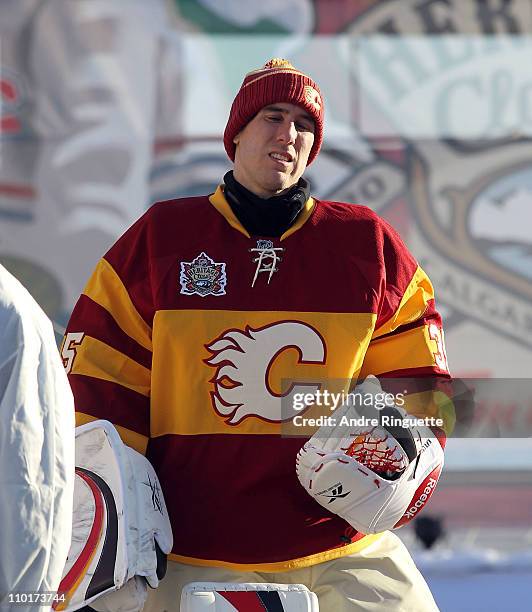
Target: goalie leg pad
x=231 y=597
x=119 y=520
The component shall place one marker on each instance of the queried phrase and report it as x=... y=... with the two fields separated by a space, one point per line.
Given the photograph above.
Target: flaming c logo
x=313 y=97
x=243 y=360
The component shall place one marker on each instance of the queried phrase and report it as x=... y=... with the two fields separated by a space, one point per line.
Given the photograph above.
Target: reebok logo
x=420 y=502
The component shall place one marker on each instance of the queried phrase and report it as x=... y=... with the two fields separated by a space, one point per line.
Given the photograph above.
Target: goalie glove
x=374 y=477
x=121 y=532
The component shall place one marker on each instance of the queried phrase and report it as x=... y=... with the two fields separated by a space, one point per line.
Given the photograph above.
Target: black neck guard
x=265 y=217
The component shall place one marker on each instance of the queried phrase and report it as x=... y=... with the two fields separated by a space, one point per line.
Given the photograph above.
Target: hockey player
x=193 y=321
x=36 y=453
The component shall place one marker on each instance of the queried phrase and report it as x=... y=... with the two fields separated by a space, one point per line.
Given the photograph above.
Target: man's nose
x=287 y=132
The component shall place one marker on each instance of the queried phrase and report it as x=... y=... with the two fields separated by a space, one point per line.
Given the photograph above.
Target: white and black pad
x=368 y=499
x=120 y=524
x=247 y=597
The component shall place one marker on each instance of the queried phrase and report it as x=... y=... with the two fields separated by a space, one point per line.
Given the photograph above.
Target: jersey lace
x=266 y=260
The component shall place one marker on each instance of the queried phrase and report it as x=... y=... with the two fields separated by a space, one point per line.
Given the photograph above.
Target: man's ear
x=236 y=139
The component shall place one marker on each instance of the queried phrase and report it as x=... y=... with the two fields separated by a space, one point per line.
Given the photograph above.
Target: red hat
x=277 y=81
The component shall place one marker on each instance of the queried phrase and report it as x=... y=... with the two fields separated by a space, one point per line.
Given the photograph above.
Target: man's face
x=273 y=149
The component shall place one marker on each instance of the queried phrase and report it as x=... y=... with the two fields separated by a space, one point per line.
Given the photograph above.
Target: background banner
x=109 y=105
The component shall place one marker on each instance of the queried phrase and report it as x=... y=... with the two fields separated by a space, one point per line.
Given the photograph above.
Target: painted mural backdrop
x=108 y=105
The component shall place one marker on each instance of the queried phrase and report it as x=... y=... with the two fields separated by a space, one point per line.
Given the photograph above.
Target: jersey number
x=440 y=356
x=68 y=350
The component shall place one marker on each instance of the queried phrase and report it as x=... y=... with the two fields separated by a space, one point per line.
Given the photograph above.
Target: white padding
x=232 y=597
x=348 y=488
x=119 y=514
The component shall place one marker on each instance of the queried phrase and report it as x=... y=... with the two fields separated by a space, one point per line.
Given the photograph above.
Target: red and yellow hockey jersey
x=187 y=333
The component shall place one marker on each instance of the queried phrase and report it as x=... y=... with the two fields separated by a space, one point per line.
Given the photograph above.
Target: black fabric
x=271 y=600
x=265 y=217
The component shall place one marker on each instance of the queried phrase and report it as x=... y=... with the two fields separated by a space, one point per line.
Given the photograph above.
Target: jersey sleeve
x=408 y=340
x=107 y=348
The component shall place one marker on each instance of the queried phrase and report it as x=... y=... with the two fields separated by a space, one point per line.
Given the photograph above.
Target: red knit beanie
x=277 y=81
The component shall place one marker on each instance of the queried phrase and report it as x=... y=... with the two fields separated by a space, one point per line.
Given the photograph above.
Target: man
x=195 y=317
x=36 y=453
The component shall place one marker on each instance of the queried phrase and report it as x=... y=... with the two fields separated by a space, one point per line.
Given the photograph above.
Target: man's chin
x=281 y=184
x=273 y=185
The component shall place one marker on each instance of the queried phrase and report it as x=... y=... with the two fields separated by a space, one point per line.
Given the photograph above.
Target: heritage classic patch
x=202 y=276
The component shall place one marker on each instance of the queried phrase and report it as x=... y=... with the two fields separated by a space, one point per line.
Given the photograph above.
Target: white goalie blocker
x=121 y=532
x=247 y=597
x=374 y=477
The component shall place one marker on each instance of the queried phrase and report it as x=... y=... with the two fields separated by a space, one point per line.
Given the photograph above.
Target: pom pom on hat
x=276 y=81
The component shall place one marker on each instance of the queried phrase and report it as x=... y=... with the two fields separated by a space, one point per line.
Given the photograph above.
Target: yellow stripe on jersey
x=410 y=349
x=99 y=360
x=222 y=206
x=129 y=438
x=284 y=566
x=207 y=360
x=301 y=219
x=217 y=199
x=413 y=303
x=107 y=290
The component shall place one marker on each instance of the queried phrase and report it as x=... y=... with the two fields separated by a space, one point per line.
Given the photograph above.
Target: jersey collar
x=217 y=199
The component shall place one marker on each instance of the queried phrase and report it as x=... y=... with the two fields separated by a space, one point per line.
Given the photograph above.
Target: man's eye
x=304 y=127
x=275 y=117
